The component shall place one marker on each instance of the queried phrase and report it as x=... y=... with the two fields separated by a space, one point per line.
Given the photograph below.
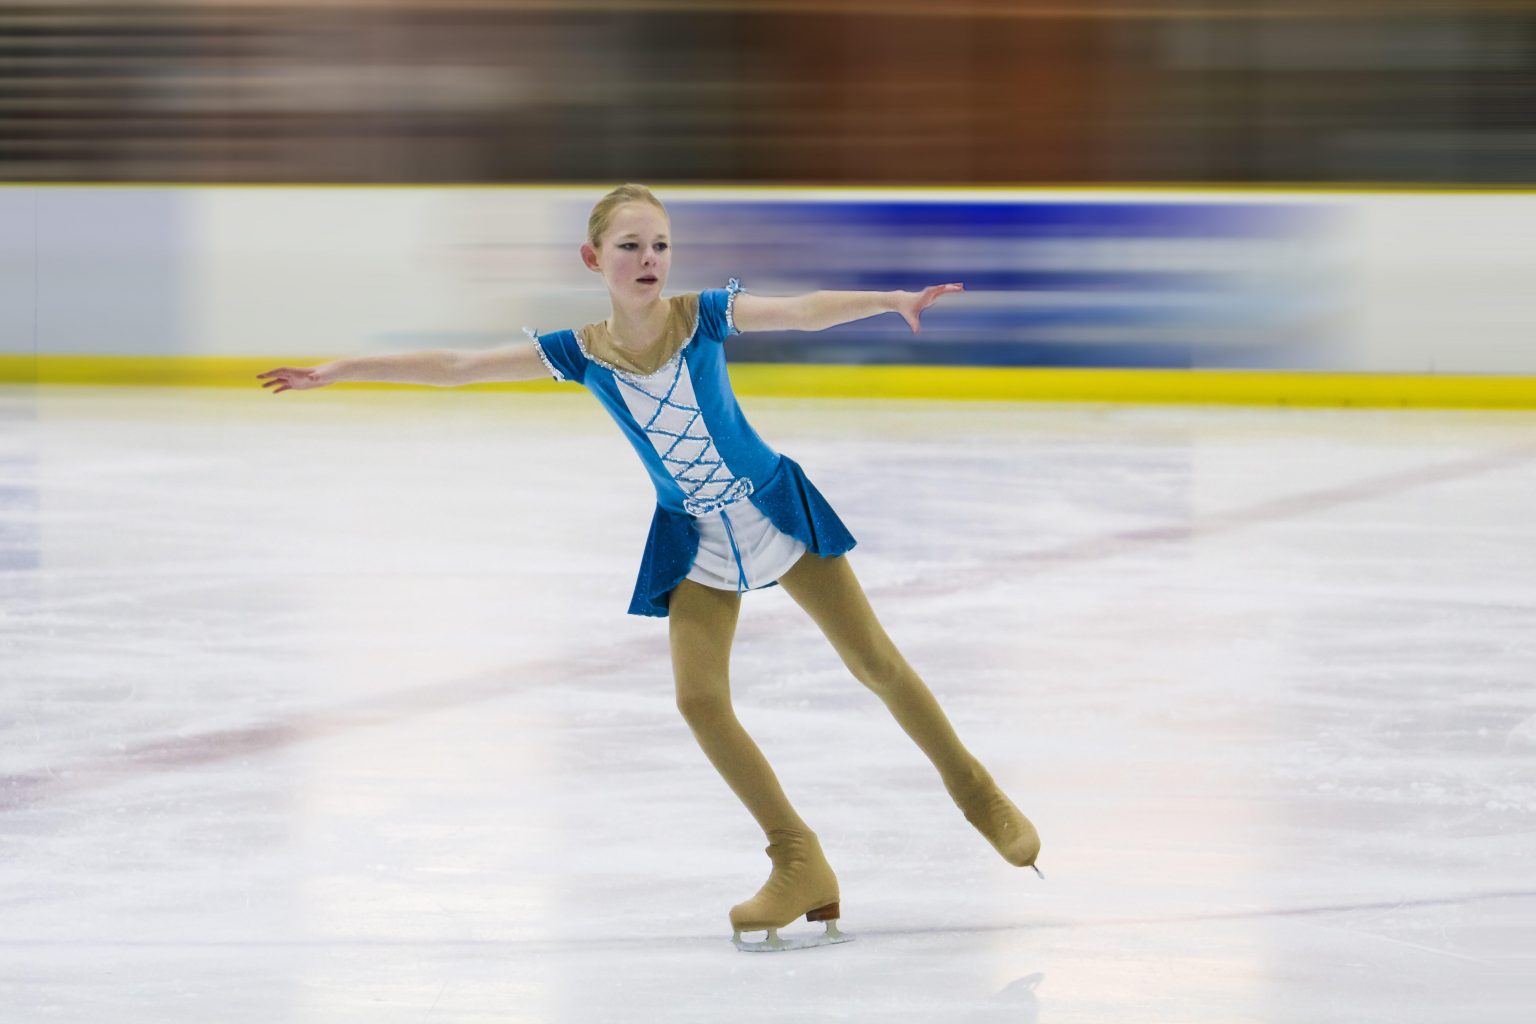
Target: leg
x=703 y=624
x=829 y=592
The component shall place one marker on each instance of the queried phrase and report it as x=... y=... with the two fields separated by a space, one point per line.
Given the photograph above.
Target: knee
x=883 y=671
x=701 y=705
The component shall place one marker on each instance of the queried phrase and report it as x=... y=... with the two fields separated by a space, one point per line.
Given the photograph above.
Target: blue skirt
x=789 y=501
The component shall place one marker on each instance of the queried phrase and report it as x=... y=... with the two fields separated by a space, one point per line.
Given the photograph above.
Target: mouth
x=646 y=280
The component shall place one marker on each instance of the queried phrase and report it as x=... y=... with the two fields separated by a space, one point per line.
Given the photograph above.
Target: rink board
x=1161 y=295
x=919 y=382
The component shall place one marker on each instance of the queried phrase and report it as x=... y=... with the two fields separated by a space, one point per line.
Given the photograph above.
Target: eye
x=626 y=245
x=661 y=245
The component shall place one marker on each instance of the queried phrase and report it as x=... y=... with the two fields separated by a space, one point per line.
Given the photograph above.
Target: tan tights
x=703 y=624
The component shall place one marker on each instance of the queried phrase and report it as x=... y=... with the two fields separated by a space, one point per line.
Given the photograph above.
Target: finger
x=931 y=294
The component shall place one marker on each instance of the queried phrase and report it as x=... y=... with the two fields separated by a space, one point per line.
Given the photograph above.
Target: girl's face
x=635 y=253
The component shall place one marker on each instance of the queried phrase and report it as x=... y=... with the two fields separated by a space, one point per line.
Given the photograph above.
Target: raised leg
x=830 y=593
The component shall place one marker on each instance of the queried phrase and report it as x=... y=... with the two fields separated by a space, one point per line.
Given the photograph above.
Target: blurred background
x=1147 y=185
x=771 y=91
x=323 y=707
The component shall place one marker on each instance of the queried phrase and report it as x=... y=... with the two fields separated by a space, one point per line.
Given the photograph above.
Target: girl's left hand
x=911 y=304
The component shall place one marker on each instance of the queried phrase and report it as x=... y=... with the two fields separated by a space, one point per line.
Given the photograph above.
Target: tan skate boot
x=988 y=808
x=801 y=882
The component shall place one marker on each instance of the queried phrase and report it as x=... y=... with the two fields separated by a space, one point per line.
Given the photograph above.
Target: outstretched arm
x=444 y=368
x=820 y=310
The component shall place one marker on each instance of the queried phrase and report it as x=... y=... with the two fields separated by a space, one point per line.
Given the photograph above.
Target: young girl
x=732 y=515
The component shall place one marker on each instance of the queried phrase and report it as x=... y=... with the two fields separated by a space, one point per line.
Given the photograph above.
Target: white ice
x=324 y=707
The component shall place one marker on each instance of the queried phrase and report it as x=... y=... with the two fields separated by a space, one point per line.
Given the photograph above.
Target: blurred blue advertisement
x=1072 y=283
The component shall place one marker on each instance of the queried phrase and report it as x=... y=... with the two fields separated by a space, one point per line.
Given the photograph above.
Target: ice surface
x=324 y=707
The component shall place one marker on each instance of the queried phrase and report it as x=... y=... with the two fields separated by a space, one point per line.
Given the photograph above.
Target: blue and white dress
x=731 y=512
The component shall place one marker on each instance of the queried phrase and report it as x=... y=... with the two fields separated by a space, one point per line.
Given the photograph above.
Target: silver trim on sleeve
x=733 y=287
x=538 y=346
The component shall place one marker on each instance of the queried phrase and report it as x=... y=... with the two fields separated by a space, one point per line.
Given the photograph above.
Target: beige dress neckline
x=597 y=343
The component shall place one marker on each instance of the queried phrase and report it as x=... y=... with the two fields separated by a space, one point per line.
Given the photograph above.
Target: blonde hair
x=602 y=213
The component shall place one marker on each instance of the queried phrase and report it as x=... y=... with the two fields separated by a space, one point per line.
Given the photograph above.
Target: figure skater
x=732 y=515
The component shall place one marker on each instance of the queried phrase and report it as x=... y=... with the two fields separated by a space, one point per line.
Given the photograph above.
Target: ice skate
x=801 y=882
x=988 y=808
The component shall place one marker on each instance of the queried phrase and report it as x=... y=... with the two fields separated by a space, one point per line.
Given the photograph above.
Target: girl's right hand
x=911 y=304
x=300 y=379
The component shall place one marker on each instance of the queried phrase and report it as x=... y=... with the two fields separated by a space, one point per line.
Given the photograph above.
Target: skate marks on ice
x=554 y=945
x=1122 y=542
x=1323 y=910
x=21 y=790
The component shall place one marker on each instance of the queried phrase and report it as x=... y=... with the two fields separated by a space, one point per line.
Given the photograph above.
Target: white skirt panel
x=765 y=552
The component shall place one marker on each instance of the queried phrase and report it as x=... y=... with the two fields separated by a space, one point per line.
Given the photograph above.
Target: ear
x=589 y=257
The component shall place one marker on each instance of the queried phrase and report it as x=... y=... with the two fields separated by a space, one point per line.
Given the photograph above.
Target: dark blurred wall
x=767 y=92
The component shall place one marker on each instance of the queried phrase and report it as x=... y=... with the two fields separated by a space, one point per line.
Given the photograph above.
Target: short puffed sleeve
x=716 y=311
x=562 y=356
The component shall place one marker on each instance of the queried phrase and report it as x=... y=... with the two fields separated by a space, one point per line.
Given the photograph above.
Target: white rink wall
x=1443 y=283
x=1405 y=283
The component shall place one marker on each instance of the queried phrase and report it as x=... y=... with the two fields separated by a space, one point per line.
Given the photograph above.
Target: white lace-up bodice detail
x=664 y=405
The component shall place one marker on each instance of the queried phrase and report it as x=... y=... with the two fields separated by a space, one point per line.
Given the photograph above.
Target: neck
x=636 y=327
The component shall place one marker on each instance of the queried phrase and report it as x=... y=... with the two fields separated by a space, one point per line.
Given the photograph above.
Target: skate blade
x=775 y=943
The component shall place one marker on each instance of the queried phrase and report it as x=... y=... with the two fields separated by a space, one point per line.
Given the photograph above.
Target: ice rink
x=324 y=707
